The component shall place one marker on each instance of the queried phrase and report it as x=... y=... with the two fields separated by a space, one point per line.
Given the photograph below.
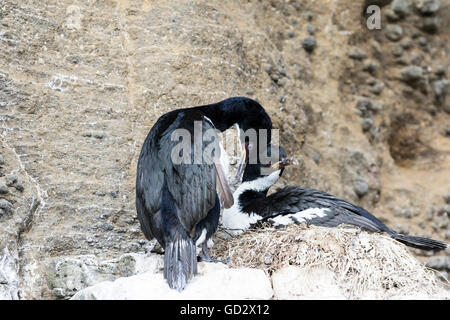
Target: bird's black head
x=254 y=124
x=256 y=118
x=245 y=112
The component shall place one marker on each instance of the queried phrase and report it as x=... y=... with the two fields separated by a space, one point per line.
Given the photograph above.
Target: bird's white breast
x=234 y=219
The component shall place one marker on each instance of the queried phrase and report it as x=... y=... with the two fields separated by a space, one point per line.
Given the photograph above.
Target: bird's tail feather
x=420 y=242
x=180 y=262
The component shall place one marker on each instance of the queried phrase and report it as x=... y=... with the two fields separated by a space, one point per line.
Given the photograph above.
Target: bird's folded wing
x=192 y=184
x=291 y=200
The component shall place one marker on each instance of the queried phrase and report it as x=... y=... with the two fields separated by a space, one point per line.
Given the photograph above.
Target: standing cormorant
x=179 y=203
x=291 y=204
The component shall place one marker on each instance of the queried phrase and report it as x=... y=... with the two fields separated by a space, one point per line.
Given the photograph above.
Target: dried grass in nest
x=362 y=262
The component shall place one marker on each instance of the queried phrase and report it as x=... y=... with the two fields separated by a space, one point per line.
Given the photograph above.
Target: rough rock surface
x=68 y=275
x=293 y=282
x=318 y=263
x=81 y=83
x=215 y=281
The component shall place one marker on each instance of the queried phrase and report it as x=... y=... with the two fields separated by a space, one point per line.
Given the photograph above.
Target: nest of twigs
x=362 y=262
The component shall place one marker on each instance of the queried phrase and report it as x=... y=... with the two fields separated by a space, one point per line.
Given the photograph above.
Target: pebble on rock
x=391 y=15
x=440 y=70
x=357 y=54
x=440 y=88
x=371 y=81
x=427 y=7
x=19 y=186
x=4 y=189
x=11 y=180
x=423 y=41
x=308 y=15
x=403 y=212
x=310 y=29
x=6 y=208
x=393 y=32
x=316 y=157
x=431 y=24
x=401 y=7
x=402 y=61
x=268 y=68
x=361 y=187
x=444 y=211
x=364 y=105
x=309 y=43
x=377 y=88
x=370 y=66
x=366 y=124
x=282 y=82
x=406 y=44
x=107 y=226
x=94 y=134
x=447 y=199
x=397 y=51
x=114 y=194
x=411 y=73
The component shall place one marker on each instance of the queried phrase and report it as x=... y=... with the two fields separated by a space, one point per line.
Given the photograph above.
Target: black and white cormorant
x=179 y=203
x=288 y=205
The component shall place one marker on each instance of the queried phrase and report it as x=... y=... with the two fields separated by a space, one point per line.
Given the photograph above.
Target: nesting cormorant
x=179 y=203
x=291 y=204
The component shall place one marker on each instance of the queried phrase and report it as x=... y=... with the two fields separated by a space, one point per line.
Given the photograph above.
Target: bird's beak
x=241 y=166
x=284 y=163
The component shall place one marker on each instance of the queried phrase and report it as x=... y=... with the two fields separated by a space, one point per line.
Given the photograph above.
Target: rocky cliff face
x=82 y=82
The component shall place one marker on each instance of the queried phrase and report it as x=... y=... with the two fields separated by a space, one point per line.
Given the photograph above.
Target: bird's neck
x=240 y=216
x=250 y=192
x=224 y=116
x=245 y=112
x=259 y=185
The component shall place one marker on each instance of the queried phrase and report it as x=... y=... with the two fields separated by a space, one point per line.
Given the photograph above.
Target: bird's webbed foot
x=205 y=257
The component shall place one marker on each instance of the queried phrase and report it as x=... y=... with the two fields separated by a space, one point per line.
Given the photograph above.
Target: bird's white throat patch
x=259 y=184
x=234 y=219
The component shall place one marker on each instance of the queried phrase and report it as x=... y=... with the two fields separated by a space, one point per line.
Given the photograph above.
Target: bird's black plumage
x=290 y=200
x=297 y=205
x=176 y=202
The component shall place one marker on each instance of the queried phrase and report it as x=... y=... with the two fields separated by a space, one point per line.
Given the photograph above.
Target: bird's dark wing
x=192 y=185
x=150 y=179
x=291 y=200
